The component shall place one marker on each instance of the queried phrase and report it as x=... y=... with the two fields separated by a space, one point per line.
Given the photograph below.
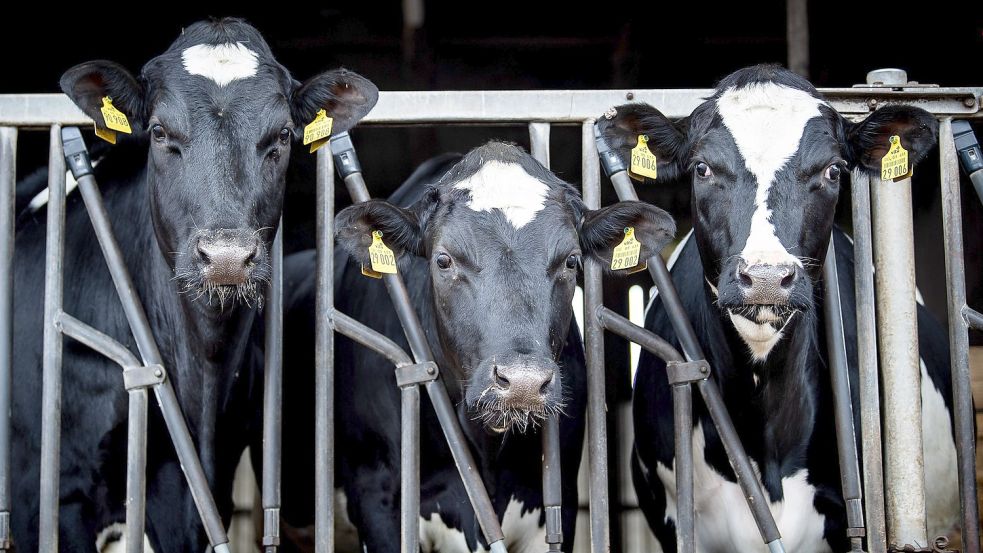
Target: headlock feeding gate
x=899 y=499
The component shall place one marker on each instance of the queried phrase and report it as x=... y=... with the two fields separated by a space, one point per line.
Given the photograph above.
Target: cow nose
x=766 y=284
x=524 y=386
x=227 y=258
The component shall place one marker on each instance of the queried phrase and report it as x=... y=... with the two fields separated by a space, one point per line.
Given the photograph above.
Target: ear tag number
x=625 y=255
x=894 y=164
x=316 y=132
x=114 y=119
x=643 y=161
x=383 y=259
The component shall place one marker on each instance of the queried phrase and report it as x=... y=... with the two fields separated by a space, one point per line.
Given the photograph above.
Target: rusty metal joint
x=685 y=372
x=417 y=373
x=939 y=545
x=140 y=377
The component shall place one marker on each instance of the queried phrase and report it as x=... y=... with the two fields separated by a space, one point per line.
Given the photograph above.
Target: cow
x=766 y=155
x=489 y=245
x=194 y=196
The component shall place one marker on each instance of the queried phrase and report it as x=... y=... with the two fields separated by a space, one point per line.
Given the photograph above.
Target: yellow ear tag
x=316 y=132
x=625 y=255
x=370 y=273
x=105 y=134
x=643 y=161
x=894 y=164
x=383 y=260
x=115 y=119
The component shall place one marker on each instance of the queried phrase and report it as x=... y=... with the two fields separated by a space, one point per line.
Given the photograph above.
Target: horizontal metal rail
x=522 y=106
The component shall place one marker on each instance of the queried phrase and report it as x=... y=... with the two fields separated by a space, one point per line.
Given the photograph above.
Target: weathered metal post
x=8 y=177
x=897 y=333
x=324 y=359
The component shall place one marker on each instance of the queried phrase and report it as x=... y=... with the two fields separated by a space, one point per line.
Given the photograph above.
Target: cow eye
x=703 y=170
x=833 y=173
x=285 y=135
x=443 y=261
x=157 y=131
x=572 y=261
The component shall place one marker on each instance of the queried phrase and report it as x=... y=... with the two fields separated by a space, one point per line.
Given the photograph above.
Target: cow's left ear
x=345 y=95
x=603 y=230
x=402 y=228
x=870 y=139
x=88 y=83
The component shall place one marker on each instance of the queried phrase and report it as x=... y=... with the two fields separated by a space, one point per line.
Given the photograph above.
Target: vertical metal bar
x=409 y=483
x=846 y=438
x=870 y=397
x=273 y=398
x=682 y=413
x=597 y=445
x=539 y=145
x=897 y=333
x=136 y=470
x=797 y=35
x=324 y=359
x=8 y=178
x=962 y=390
x=52 y=356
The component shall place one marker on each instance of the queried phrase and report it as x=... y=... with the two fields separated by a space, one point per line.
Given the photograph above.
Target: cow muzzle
x=515 y=392
x=765 y=284
x=227 y=265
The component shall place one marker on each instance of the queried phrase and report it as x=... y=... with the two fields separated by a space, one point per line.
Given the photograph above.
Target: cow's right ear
x=622 y=125
x=402 y=228
x=88 y=83
x=345 y=95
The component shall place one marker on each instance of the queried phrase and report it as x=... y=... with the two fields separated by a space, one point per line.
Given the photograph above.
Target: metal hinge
x=684 y=372
x=135 y=378
x=419 y=373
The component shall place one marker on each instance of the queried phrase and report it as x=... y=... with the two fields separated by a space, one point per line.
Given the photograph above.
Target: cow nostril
x=203 y=254
x=745 y=279
x=788 y=280
x=546 y=386
x=502 y=382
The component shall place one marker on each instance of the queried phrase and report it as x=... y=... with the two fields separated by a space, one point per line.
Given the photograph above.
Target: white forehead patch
x=222 y=63
x=767 y=121
x=506 y=187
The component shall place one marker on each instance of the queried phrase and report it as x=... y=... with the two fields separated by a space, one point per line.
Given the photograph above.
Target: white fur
x=222 y=63
x=766 y=121
x=723 y=520
x=523 y=534
x=760 y=338
x=939 y=449
x=104 y=543
x=506 y=187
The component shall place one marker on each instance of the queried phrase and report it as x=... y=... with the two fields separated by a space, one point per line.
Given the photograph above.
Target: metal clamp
x=271 y=520
x=940 y=545
x=685 y=372
x=418 y=373
x=135 y=378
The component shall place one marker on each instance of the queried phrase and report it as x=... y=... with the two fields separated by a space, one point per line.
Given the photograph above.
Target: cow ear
x=622 y=125
x=870 y=139
x=345 y=95
x=88 y=83
x=604 y=229
x=402 y=228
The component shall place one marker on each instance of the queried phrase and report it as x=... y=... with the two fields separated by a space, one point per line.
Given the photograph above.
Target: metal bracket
x=411 y=375
x=271 y=521
x=135 y=378
x=685 y=372
x=940 y=545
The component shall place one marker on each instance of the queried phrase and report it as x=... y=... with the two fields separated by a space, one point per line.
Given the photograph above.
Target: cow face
x=504 y=239
x=766 y=154
x=220 y=115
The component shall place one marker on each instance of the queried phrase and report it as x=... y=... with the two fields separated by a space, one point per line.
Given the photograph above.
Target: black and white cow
x=766 y=155
x=193 y=197
x=490 y=255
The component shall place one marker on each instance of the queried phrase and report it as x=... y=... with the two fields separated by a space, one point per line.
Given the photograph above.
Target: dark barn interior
x=545 y=45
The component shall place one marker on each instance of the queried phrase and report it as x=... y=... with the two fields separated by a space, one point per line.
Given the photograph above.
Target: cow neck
x=777 y=423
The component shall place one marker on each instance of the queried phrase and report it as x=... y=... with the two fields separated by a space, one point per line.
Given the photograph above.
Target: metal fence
x=539 y=110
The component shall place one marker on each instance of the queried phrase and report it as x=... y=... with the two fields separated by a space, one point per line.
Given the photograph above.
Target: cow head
x=220 y=115
x=766 y=154
x=503 y=238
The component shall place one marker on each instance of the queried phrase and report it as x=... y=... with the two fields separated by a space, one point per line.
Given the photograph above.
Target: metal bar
x=409 y=469
x=870 y=398
x=94 y=340
x=597 y=444
x=682 y=403
x=347 y=161
x=52 y=356
x=324 y=460
x=539 y=142
x=369 y=338
x=522 y=106
x=797 y=35
x=973 y=318
x=8 y=184
x=962 y=391
x=273 y=398
x=140 y=328
x=846 y=438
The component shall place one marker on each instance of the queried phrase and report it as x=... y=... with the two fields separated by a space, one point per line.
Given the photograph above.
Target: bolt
x=431 y=371
x=969 y=102
x=630 y=96
x=158 y=373
x=704 y=369
x=872 y=103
